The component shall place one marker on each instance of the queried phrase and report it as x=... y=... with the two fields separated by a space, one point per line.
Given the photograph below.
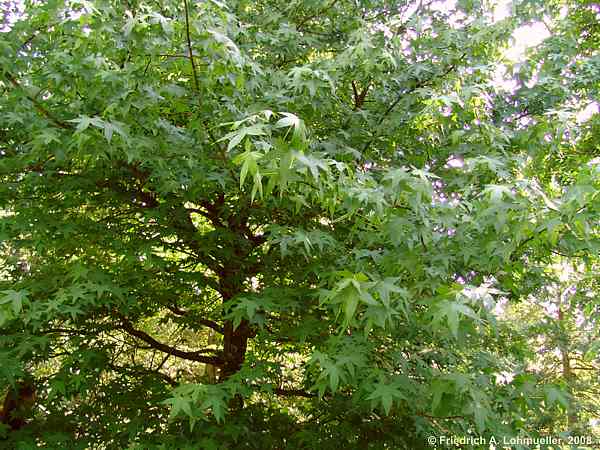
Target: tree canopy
x=298 y=224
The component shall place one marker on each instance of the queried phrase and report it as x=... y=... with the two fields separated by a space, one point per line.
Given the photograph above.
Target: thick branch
x=359 y=97
x=198 y=355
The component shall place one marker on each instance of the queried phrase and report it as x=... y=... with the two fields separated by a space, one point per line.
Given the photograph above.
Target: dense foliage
x=298 y=224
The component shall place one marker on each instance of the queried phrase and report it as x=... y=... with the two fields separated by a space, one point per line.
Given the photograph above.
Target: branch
x=359 y=97
x=198 y=356
x=55 y=120
x=131 y=371
x=319 y=13
x=190 y=54
x=168 y=55
x=206 y=322
x=567 y=255
x=355 y=90
x=294 y=393
x=427 y=416
x=288 y=392
x=419 y=84
x=521 y=115
x=195 y=74
x=61 y=331
x=35 y=34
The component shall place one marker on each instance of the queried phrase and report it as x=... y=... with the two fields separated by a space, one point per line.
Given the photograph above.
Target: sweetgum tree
x=277 y=224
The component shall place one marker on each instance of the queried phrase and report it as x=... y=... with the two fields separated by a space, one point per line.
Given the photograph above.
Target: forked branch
x=199 y=355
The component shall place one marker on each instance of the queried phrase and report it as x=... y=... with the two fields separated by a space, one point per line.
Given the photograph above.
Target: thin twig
x=195 y=74
x=205 y=322
x=427 y=416
x=55 y=120
x=318 y=14
x=419 y=84
x=190 y=53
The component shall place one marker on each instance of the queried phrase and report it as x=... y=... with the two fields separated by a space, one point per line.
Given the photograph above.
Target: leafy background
x=298 y=224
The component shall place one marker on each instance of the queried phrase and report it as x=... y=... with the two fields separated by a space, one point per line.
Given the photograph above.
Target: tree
x=289 y=222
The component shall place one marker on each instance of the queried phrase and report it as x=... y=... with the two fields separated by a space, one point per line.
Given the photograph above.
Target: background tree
x=290 y=221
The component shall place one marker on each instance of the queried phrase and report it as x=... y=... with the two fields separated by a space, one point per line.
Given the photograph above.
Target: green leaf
x=179 y=405
x=480 y=407
x=350 y=298
x=14 y=298
x=235 y=137
x=555 y=395
x=291 y=120
x=385 y=395
x=438 y=389
x=249 y=162
x=332 y=372
x=452 y=310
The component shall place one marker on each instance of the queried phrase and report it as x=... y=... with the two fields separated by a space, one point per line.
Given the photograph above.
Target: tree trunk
x=566 y=371
x=211 y=371
x=235 y=343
